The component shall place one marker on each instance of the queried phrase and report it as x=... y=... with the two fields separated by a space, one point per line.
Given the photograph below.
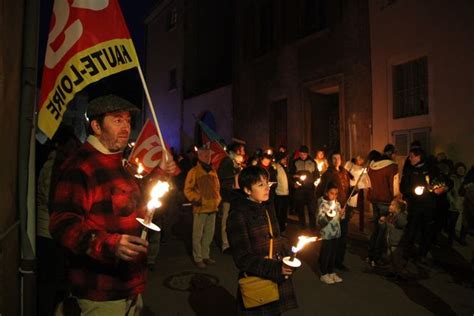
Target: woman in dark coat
x=249 y=238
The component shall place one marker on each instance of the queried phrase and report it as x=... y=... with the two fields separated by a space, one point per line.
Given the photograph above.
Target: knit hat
x=109 y=103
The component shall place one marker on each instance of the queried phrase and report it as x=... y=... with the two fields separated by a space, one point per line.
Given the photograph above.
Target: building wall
x=11 y=20
x=199 y=47
x=219 y=103
x=164 y=53
x=337 y=56
x=442 y=31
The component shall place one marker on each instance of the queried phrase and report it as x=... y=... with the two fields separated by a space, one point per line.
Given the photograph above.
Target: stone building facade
x=422 y=72
x=303 y=75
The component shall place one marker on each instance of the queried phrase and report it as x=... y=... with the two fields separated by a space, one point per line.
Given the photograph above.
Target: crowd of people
x=92 y=203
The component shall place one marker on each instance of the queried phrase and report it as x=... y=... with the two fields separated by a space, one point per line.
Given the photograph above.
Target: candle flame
x=140 y=169
x=303 y=177
x=195 y=149
x=160 y=189
x=153 y=204
x=302 y=241
x=269 y=152
x=157 y=192
x=320 y=165
x=316 y=183
x=419 y=190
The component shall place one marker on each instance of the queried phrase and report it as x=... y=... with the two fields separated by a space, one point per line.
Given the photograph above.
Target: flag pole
x=218 y=142
x=152 y=110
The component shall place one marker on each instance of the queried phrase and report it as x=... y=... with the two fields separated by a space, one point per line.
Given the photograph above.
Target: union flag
x=88 y=40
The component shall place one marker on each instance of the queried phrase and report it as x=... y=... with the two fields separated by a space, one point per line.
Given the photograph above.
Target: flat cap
x=109 y=103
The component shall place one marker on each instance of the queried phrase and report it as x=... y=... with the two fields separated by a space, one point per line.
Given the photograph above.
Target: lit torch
x=320 y=165
x=140 y=169
x=332 y=209
x=158 y=191
x=316 y=183
x=292 y=261
x=419 y=190
x=302 y=178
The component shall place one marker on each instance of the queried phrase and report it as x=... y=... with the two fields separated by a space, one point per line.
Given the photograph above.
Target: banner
x=148 y=150
x=211 y=140
x=88 y=41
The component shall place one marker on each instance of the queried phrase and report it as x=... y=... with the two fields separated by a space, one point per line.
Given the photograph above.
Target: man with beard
x=94 y=213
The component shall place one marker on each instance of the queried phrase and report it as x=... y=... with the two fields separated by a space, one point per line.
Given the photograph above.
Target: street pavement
x=176 y=287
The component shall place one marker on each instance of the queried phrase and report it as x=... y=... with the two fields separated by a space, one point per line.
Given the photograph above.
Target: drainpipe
x=26 y=156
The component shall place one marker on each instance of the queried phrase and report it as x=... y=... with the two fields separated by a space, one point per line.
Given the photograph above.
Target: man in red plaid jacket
x=94 y=213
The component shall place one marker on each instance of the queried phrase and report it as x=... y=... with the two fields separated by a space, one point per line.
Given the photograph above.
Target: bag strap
x=270 y=230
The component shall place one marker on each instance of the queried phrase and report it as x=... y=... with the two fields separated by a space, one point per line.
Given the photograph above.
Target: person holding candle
x=329 y=216
x=202 y=189
x=385 y=180
x=228 y=171
x=304 y=172
x=321 y=161
x=421 y=204
x=94 y=211
x=249 y=236
x=338 y=175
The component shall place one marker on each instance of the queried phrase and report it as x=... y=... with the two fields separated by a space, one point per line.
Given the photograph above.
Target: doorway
x=325 y=127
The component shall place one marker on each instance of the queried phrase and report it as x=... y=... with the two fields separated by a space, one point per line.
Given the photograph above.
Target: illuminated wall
x=442 y=31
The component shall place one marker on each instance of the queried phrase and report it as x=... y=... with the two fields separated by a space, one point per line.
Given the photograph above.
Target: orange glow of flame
x=320 y=166
x=157 y=192
x=140 y=169
x=302 y=241
x=303 y=177
x=419 y=190
x=160 y=189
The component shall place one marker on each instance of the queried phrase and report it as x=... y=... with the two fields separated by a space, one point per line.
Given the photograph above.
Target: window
x=314 y=16
x=172 y=19
x=410 y=88
x=403 y=139
x=172 y=80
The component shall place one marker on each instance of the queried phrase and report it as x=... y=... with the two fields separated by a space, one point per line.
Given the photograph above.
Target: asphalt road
x=177 y=287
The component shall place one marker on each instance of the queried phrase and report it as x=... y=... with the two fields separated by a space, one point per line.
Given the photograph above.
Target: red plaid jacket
x=96 y=201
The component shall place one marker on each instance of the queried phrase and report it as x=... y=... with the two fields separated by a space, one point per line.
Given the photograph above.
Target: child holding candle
x=329 y=216
x=249 y=231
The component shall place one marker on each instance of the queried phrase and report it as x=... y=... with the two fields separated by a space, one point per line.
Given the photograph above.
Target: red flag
x=88 y=40
x=148 y=150
x=217 y=152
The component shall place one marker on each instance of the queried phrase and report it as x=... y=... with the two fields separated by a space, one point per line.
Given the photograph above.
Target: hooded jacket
x=385 y=181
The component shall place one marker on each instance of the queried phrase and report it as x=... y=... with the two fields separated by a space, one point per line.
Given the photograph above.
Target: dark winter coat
x=341 y=178
x=249 y=238
x=420 y=174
